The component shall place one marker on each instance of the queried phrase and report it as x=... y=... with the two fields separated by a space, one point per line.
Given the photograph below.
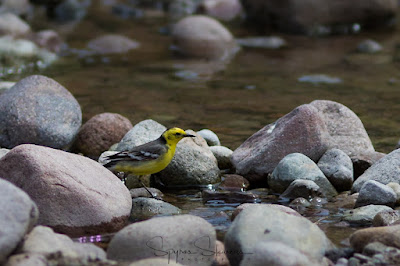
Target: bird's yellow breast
x=147 y=167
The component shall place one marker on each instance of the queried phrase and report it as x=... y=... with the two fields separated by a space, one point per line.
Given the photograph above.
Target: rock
x=204 y=37
x=298 y=166
x=38 y=110
x=100 y=132
x=66 y=185
x=384 y=171
x=223 y=156
x=221 y=9
x=3 y=152
x=112 y=44
x=193 y=164
x=363 y=215
x=141 y=133
x=27 y=259
x=374 y=248
x=364 y=161
x=220 y=258
x=43 y=240
x=373 y=192
x=178 y=9
x=21 y=8
x=228 y=196
x=386 y=218
x=338 y=168
x=181 y=238
x=320 y=79
x=11 y=24
x=210 y=137
x=145 y=208
x=262 y=223
x=393 y=185
x=233 y=182
x=48 y=39
x=18 y=215
x=302 y=131
x=21 y=54
x=302 y=188
x=387 y=235
x=272 y=42
x=311 y=14
x=142 y=192
x=243 y=206
x=69 y=10
x=5 y=85
x=345 y=128
x=369 y=47
x=275 y=253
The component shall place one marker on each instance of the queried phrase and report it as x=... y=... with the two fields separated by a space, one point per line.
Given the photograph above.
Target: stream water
x=234 y=99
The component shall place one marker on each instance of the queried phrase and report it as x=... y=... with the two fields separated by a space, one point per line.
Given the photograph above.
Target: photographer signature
x=203 y=249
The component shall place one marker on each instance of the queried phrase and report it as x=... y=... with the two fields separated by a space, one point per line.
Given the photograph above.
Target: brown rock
x=75 y=195
x=387 y=235
x=100 y=132
x=302 y=131
x=234 y=182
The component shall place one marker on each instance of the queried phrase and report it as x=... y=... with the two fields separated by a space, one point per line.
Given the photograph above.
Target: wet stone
x=145 y=208
x=143 y=192
x=233 y=182
x=364 y=215
x=229 y=196
x=373 y=192
x=386 y=218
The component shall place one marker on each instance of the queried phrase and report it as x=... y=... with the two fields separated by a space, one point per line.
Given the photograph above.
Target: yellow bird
x=149 y=158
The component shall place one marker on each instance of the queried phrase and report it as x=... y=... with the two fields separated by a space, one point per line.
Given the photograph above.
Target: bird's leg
x=147 y=189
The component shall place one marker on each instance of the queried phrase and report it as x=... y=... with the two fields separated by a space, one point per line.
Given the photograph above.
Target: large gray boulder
x=300 y=131
x=18 y=215
x=75 y=195
x=185 y=239
x=385 y=170
x=38 y=110
x=260 y=223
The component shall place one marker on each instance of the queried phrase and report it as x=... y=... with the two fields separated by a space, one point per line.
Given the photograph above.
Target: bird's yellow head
x=174 y=135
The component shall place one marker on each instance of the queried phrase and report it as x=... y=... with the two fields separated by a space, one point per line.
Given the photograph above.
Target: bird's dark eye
x=178 y=134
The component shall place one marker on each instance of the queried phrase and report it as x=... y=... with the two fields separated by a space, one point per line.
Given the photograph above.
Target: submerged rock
x=112 y=44
x=38 y=110
x=64 y=186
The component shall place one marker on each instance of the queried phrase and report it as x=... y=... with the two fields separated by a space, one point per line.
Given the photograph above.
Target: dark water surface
x=254 y=89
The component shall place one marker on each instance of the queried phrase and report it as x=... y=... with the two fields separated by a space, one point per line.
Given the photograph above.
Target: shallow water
x=255 y=88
